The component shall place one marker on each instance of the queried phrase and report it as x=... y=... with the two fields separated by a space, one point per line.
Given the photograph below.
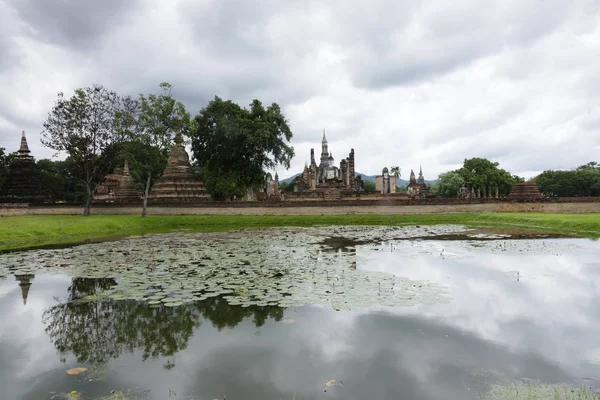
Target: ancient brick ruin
x=24 y=183
x=325 y=181
x=525 y=190
x=417 y=188
x=126 y=191
x=384 y=183
x=106 y=192
x=177 y=184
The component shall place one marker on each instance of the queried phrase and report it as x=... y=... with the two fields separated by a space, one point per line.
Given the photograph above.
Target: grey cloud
x=450 y=40
x=77 y=24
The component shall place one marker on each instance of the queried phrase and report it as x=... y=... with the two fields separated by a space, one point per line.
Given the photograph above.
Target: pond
x=303 y=313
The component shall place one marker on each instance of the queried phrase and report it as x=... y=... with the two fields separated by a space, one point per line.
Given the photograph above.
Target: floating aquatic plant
x=534 y=390
x=277 y=267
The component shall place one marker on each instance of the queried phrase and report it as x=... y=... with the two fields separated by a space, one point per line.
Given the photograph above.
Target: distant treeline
x=580 y=182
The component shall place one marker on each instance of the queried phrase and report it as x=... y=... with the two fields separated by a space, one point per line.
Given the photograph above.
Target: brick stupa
x=525 y=190
x=126 y=190
x=24 y=183
x=106 y=192
x=177 y=184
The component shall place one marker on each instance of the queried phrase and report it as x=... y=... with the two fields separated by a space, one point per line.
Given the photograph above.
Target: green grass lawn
x=29 y=231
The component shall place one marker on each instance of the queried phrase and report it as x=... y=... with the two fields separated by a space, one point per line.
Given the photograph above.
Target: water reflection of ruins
x=98 y=331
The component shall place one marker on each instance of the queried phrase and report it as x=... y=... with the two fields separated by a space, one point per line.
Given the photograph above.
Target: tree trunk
x=88 y=201
x=144 y=211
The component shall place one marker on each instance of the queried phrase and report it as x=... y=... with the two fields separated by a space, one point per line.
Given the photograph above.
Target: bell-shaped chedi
x=525 y=190
x=126 y=190
x=24 y=182
x=177 y=184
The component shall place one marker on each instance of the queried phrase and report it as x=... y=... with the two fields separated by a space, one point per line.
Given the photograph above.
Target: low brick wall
x=379 y=206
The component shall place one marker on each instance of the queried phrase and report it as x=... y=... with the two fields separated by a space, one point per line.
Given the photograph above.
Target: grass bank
x=29 y=231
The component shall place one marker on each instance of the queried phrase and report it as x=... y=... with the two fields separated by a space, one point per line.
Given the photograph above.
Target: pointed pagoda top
x=421 y=180
x=24 y=149
x=24 y=284
x=324 y=138
x=126 y=169
x=276 y=176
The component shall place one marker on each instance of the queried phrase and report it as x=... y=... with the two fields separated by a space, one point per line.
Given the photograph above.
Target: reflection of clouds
x=551 y=310
x=26 y=352
x=542 y=327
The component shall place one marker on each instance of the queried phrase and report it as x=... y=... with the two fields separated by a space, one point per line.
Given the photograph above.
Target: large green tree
x=60 y=178
x=582 y=181
x=484 y=176
x=5 y=161
x=84 y=127
x=236 y=146
x=449 y=183
x=151 y=124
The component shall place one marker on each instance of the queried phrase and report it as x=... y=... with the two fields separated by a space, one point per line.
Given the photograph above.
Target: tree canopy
x=448 y=184
x=236 y=146
x=5 y=161
x=483 y=174
x=84 y=126
x=583 y=181
x=151 y=125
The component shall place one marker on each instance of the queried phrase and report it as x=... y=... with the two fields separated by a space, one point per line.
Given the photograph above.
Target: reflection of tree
x=222 y=315
x=99 y=331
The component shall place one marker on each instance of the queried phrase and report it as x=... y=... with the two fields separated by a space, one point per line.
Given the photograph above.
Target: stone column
x=497 y=192
x=351 y=169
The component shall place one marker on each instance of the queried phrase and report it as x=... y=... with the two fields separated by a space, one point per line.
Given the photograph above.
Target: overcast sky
x=402 y=82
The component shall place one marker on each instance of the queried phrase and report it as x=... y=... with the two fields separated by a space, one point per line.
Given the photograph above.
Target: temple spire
x=126 y=169
x=24 y=149
x=412 y=177
x=24 y=284
x=324 y=138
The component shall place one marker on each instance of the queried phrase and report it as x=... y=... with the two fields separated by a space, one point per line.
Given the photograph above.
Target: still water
x=525 y=311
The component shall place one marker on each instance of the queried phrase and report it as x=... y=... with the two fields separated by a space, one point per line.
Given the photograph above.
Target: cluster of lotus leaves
x=273 y=267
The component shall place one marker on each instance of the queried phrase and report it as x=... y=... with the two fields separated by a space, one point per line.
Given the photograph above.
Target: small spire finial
x=24 y=148
x=324 y=138
x=126 y=169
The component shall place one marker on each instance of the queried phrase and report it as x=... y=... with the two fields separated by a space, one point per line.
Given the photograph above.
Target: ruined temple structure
x=24 y=284
x=24 y=184
x=272 y=188
x=417 y=188
x=384 y=183
x=106 y=192
x=463 y=192
x=525 y=190
x=177 y=183
x=126 y=190
x=118 y=187
x=326 y=179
